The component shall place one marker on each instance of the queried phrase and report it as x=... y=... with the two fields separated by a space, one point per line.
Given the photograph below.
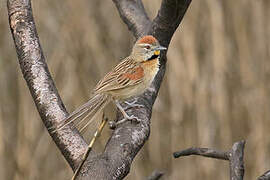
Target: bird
x=131 y=77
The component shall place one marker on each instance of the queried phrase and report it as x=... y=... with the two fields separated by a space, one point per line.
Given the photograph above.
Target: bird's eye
x=147 y=47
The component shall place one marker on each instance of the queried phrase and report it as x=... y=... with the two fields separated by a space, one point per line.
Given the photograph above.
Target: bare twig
x=235 y=156
x=206 y=152
x=90 y=146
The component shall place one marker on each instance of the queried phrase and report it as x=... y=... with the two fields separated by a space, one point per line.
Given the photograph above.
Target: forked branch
x=127 y=139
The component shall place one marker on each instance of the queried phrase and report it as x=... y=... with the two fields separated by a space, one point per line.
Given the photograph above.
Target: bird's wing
x=126 y=73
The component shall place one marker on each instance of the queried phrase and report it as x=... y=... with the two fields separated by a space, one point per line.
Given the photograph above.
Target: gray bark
x=128 y=138
x=235 y=156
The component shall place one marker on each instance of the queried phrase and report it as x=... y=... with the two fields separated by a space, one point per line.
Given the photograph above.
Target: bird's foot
x=132 y=118
x=133 y=104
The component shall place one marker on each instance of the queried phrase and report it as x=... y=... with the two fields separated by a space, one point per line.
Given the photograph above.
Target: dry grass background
x=216 y=89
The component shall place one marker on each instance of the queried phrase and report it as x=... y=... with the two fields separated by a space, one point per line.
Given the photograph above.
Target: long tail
x=86 y=111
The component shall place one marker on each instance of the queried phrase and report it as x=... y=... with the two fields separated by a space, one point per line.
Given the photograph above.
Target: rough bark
x=39 y=80
x=127 y=139
x=265 y=176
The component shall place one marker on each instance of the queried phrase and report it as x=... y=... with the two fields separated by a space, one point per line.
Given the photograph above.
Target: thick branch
x=127 y=139
x=168 y=19
x=265 y=176
x=235 y=156
x=206 y=152
x=133 y=14
x=39 y=80
x=125 y=142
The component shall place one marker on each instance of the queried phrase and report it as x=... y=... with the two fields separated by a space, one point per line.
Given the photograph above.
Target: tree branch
x=206 y=152
x=168 y=19
x=133 y=14
x=128 y=138
x=39 y=80
x=235 y=156
x=265 y=176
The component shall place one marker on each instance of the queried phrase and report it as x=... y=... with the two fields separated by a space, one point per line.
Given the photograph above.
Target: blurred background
x=216 y=90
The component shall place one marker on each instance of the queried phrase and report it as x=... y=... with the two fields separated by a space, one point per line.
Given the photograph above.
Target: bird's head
x=147 y=48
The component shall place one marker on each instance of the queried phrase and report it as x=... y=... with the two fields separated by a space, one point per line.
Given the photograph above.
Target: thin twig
x=206 y=152
x=90 y=146
x=235 y=156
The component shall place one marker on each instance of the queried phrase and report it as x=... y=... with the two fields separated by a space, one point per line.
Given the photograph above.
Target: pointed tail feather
x=86 y=111
x=98 y=107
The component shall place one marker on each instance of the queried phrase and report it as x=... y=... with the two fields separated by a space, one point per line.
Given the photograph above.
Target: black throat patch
x=152 y=57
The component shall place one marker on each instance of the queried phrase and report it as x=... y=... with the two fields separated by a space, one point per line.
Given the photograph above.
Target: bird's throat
x=151 y=65
x=153 y=57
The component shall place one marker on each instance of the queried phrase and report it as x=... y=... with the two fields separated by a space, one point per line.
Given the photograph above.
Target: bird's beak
x=160 y=48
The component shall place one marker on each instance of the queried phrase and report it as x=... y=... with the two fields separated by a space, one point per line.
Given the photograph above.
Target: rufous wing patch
x=137 y=74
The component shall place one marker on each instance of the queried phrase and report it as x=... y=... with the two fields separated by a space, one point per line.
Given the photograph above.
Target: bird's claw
x=133 y=104
x=132 y=118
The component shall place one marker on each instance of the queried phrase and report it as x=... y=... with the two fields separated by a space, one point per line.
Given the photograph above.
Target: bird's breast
x=150 y=69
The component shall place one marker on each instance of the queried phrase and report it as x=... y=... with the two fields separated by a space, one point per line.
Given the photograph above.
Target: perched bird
x=131 y=77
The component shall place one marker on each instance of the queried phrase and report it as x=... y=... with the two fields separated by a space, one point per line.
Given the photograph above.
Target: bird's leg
x=126 y=116
x=133 y=104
